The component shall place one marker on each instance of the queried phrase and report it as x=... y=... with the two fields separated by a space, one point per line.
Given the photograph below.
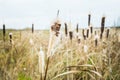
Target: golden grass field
x=19 y=61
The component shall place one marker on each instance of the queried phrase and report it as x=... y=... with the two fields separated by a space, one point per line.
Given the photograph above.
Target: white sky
x=19 y=14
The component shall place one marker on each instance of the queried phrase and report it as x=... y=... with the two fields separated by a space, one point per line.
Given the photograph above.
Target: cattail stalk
x=32 y=28
x=66 y=30
x=89 y=19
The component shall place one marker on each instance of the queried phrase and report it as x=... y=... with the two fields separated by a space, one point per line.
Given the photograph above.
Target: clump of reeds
x=66 y=30
x=32 y=28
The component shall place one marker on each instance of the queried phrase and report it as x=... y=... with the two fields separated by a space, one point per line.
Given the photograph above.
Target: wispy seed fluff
x=41 y=61
x=31 y=42
x=85 y=48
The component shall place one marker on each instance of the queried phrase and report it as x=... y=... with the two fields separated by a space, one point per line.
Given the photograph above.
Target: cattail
x=10 y=35
x=96 y=40
x=77 y=28
x=83 y=33
x=89 y=18
x=102 y=24
x=32 y=28
x=79 y=40
x=91 y=29
x=101 y=36
x=107 y=33
x=66 y=30
x=87 y=33
x=85 y=37
x=95 y=32
x=4 y=32
x=71 y=35
x=56 y=27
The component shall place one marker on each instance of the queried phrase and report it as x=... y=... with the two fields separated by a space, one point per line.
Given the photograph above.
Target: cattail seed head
x=95 y=32
x=66 y=30
x=83 y=33
x=71 y=35
x=107 y=33
x=101 y=36
x=32 y=28
x=77 y=28
x=96 y=39
x=10 y=35
x=91 y=29
x=4 y=30
x=89 y=18
x=56 y=27
x=79 y=40
x=85 y=37
x=102 y=24
x=87 y=33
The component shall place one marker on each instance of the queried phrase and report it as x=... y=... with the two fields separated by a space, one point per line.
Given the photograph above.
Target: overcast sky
x=19 y=14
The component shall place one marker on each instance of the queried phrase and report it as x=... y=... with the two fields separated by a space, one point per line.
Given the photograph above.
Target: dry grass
x=20 y=61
